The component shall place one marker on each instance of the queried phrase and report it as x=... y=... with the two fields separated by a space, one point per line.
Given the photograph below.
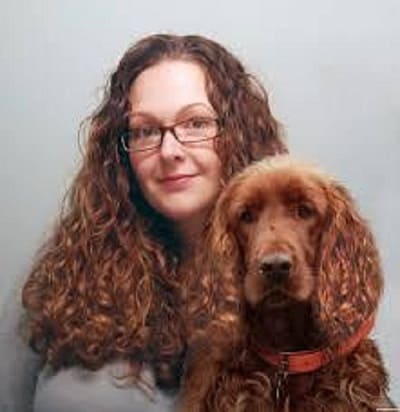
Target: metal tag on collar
x=281 y=394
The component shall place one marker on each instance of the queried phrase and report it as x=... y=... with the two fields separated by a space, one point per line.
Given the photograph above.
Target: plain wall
x=332 y=68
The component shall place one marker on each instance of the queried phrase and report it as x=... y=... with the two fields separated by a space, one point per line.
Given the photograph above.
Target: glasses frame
x=164 y=129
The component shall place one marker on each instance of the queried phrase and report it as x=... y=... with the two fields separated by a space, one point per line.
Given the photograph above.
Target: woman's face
x=179 y=181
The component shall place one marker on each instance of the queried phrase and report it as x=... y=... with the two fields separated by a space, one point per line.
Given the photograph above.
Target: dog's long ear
x=215 y=296
x=349 y=275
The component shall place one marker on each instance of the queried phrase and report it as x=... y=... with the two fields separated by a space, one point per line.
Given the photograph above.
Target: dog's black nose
x=276 y=267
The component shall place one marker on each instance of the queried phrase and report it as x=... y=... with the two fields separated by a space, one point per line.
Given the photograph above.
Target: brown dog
x=291 y=282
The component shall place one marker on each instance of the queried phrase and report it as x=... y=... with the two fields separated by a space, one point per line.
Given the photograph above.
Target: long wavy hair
x=106 y=283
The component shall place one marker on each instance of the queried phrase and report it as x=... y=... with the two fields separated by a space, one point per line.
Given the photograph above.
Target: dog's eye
x=305 y=211
x=246 y=216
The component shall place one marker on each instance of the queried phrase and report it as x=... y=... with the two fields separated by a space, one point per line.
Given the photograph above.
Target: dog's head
x=293 y=234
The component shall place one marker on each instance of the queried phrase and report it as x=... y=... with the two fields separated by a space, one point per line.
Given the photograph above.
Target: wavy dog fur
x=280 y=207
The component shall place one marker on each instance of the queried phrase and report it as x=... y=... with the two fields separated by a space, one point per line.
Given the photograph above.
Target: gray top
x=78 y=390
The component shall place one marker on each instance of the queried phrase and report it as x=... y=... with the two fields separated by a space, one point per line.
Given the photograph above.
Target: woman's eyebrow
x=183 y=110
x=194 y=106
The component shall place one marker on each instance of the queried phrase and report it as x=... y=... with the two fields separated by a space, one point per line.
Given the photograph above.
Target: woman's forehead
x=165 y=89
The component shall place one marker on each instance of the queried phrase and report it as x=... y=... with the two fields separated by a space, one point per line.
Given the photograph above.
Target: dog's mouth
x=276 y=298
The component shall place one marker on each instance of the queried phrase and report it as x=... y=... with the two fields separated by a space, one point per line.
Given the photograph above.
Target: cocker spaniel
x=291 y=282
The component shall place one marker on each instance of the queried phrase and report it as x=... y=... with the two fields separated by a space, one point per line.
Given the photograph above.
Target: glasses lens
x=197 y=128
x=142 y=138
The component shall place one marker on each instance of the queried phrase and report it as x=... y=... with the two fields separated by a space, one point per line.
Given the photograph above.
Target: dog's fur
x=290 y=264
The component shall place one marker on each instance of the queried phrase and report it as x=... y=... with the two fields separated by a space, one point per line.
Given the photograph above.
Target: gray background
x=332 y=68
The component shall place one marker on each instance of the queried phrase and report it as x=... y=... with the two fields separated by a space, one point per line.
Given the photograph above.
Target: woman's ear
x=349 y=273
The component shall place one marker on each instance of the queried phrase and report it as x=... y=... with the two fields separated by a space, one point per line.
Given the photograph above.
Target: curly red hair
x=105 y=284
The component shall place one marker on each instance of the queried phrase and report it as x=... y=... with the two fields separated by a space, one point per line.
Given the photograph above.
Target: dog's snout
x=276 y=266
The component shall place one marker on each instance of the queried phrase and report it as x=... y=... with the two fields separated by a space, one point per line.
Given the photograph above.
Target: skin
x=179 y=181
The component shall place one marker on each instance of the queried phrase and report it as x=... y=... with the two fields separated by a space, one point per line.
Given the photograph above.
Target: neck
x=291 y=328
x=190 y=232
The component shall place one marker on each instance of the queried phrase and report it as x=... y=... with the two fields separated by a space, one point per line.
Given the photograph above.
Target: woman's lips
x=177 y=182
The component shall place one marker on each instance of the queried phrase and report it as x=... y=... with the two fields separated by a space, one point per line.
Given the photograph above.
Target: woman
x=106 y=296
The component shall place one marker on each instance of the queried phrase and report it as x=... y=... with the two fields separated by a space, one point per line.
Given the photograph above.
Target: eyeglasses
x=147 y=137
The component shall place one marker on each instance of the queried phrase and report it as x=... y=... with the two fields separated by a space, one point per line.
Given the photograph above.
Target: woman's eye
x=305 y=211
x=144 y=132
x=197 y=123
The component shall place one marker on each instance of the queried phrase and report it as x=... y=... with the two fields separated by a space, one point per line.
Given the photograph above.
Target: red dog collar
x=312 y=360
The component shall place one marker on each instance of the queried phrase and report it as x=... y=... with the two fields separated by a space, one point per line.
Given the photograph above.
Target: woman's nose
x=171 y=147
